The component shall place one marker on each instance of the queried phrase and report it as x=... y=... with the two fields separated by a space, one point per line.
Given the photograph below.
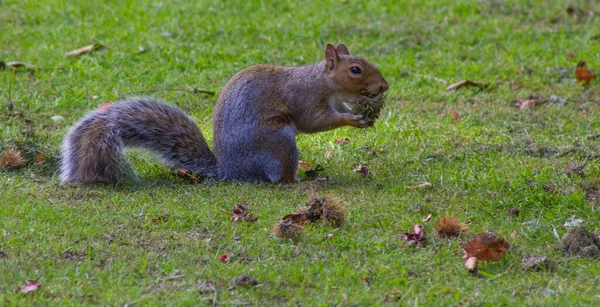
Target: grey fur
x=135 y=122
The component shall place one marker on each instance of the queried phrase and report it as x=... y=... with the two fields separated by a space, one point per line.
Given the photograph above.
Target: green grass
x=494 y=158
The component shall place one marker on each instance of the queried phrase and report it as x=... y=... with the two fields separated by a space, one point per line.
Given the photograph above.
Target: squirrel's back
x=93 y=147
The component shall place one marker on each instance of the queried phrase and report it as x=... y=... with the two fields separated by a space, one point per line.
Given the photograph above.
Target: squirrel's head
x=351 y=74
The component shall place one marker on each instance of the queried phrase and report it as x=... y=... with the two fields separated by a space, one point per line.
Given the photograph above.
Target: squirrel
x=256 y=119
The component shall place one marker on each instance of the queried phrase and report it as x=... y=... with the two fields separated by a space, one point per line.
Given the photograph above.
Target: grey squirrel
x=258 y=114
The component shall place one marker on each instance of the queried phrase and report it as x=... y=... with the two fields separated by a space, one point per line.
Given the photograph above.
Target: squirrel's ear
x=342 y=49
x=331 y=56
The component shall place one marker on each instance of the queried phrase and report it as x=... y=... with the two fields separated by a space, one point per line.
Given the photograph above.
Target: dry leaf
x=304 y=165
x=188 y=175
x=536 y=262
x=417 y=237
x=328 y=236
x=86 y=49
x=455 y=116
x=3 y=65
x=40 y=161
x=471 y=264
x=12 y=159
x=450 y=226
x=422 y=185
x=515 y=211
x=240 y=213
x=467 y=83
x=342 y=140
x=243 y=281
x=363 y=170
x=485 y=246
x=584 y=75
x=104 y=105
x=30 y=286
x=427 y=217
x=527 y=104
x=161 y=218
x=328 y=154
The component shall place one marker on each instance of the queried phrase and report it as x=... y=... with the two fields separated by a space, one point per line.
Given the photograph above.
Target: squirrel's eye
x=355 y=70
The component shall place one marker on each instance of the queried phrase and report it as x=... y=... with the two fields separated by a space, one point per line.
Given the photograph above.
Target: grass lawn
x=104 y=245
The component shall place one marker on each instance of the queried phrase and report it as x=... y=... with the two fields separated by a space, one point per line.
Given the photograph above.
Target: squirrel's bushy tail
x=93 y=147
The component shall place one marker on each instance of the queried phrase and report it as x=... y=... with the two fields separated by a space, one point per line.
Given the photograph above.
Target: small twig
x=192 y=90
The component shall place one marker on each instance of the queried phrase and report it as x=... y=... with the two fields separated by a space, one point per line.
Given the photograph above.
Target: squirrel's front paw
x=362 y=121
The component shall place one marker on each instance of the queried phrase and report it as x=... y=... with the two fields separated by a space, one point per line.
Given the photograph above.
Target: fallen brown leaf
x=363 y=170
x=427 y=217
x=304 y=165
x=485 y=246
x=328 y=154
x=12 y=159
x=536 y=262
x=3 y=65
x=455 y=116
x=527 y=104
x=30 y=286
x=86 y=49
x=40 y=161
x=104 y=105
x=417 y=237
x=342 y=140
x=584 y=75
x=243 y=281
x=188 y=175
x=240 y=213
x=161 y=218
x=422 y=185
x=467 y=83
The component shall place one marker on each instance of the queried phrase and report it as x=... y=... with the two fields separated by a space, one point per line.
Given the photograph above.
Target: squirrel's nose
x=384 y=87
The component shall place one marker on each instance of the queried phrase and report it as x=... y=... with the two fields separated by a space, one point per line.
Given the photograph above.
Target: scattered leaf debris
x=427 y=217
x=243 y=281
x=240 y=213
x=86 y=49
x=417 y=237
x=30 y=286
x=575 y=168
x=421 y=185
x=40 y=161
x=450 y=226
x=16 y=65
x=105 y=105
x=536 y=262
x=485 y=246
x=327 y=209
x=584 y=75
x=188 y=175
x=343 y=140
x=581 y=242
x=362 y=170
x=161 y=218
x=304 y=165
x=514 y=211
x=467 y=83
x=528 y=104
x=12 y=159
